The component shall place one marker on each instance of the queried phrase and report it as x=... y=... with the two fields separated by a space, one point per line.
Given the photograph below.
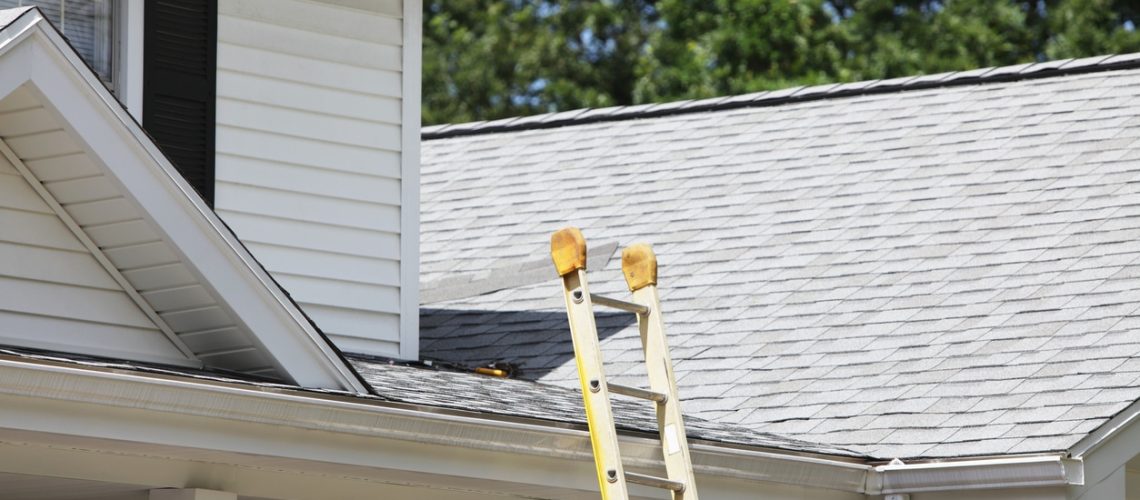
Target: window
x=87 y=24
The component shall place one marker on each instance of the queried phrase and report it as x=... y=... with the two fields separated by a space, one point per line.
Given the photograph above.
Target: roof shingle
x=955 y=265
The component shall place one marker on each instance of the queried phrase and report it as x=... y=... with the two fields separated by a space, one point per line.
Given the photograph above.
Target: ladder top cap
x=639 y=264
x=568 y=249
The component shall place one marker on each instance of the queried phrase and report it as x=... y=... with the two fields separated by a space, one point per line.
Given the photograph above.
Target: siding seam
x=315 y=111
x=304 y=165
x=238 y=71
x=307 y=138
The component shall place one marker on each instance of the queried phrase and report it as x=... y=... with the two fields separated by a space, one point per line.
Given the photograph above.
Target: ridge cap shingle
x=1022 y=71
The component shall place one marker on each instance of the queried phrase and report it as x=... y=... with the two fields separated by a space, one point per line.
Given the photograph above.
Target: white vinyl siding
x=308 y=167
x=53 y=293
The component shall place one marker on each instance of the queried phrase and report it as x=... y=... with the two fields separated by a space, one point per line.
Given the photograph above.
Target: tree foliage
x=489 y=59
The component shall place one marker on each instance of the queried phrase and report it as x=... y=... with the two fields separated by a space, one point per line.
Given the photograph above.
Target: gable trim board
x=36 y=59
x=349 y=437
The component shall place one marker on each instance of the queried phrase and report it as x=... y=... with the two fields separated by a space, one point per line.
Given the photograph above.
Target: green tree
x=488 y=59
x=886 y=39
x=1080 y=28
x=472 y=53
x=723 y=47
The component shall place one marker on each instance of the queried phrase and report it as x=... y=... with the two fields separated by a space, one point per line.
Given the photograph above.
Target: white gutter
x=993 y=473
x=359 y=416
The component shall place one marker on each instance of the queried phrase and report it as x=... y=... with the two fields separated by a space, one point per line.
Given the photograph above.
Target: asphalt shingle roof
x=521 y=398
x=928 y=272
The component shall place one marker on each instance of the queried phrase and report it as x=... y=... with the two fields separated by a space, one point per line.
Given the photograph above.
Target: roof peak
x=1025 y=71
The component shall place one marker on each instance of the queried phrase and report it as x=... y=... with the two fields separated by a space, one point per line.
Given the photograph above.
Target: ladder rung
x=632 y=307
x=636 y=392
x=655 y=482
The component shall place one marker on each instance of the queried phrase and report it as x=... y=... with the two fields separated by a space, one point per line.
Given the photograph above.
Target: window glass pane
x=85 y=23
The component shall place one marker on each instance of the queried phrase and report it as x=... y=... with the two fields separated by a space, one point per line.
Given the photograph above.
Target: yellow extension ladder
x=639 y=264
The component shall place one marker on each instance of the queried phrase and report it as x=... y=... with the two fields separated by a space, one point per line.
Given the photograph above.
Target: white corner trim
x=173 y=206
x=97 y=253
x=130 y=53
x=410 y=181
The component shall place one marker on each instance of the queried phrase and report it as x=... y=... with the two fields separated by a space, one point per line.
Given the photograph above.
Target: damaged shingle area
x=928 y=272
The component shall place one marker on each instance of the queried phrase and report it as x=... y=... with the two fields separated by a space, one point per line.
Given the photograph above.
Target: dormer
x=297 y=121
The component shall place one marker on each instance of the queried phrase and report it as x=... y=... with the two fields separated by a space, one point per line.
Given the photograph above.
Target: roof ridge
x=1024 y=71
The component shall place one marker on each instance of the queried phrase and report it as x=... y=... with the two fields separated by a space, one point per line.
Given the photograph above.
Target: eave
x=236 y=425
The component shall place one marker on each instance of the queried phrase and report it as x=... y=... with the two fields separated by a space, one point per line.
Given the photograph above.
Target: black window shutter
x=179 y=61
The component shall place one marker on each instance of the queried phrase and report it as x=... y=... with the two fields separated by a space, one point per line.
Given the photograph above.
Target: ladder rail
x=670 y=422
x=639 y=265
x=568 y=249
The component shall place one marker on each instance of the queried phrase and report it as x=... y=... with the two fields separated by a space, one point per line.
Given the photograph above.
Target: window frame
x=127 y=61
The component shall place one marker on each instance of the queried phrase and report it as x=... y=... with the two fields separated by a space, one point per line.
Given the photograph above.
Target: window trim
x=127 y=64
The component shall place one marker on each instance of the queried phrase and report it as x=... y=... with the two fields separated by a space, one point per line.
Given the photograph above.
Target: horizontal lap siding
x=53 y=294
x=308 y=156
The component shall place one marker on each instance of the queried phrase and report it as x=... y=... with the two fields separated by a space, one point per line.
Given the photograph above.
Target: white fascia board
x=405 y=439
x=978 y=474
x=410 y=180
x=356 y=432
x=124 y=150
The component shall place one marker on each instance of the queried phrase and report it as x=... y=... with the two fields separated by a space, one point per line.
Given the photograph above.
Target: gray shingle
x=471 y=392
x=829 y=265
